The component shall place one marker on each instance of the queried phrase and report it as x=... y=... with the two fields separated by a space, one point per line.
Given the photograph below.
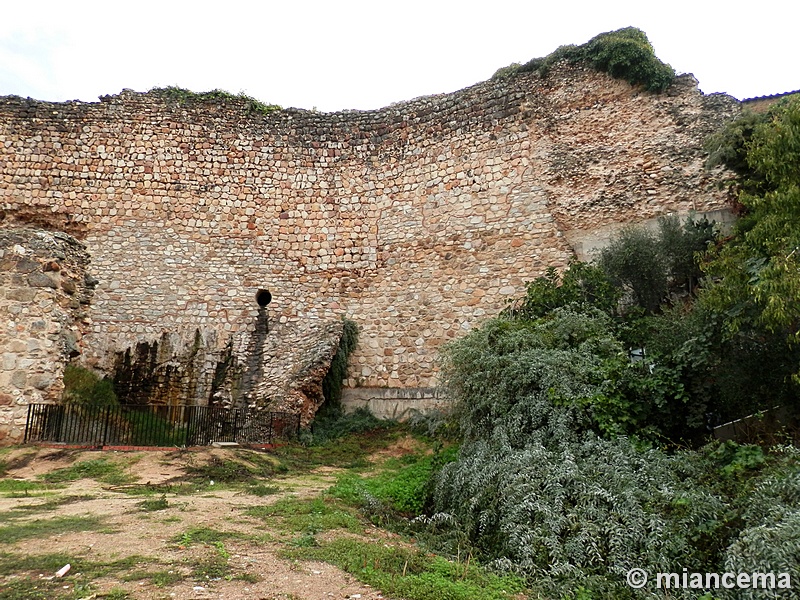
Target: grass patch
x=263 y=490
x=150 y=489
x=211 y=567
x=214 y=565
x=51 y=503
x=35 y=563
x=160 y=578
x=248 y=467
x=400 y=485
x=27 y=588
x=153 y=504
x=204 y=535
x=22 y=582
x=308 y=516
x=99 y=469
x=172 y=519
x=410 y=573
x=43 y=528
x=349 y=452
x=222 y=471
x=21 y=488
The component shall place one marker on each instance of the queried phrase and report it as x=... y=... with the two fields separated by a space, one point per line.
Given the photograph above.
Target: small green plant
x=263 y=490
x=203 y=535
x=153 y=504
x=221 y=550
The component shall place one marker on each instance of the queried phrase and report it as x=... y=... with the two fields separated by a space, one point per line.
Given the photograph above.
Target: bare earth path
x=187 y=538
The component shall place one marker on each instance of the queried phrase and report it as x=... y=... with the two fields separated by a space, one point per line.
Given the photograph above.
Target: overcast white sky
x=354 y=54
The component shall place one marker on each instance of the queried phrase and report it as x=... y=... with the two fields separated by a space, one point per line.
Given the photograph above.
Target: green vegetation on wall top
x=625 y=53
x=183 y=96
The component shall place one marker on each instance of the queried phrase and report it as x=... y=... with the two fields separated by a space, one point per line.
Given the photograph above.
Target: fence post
x=105 y=426
x=271 y=428
x=27 y=423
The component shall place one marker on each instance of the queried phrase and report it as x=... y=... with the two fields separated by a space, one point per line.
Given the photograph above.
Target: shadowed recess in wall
x=164 y=371
x=254 y=355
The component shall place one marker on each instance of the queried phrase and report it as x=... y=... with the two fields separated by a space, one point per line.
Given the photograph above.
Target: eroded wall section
x=45 y=290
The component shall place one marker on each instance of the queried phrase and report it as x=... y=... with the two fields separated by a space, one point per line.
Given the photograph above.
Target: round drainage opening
x=263 y=297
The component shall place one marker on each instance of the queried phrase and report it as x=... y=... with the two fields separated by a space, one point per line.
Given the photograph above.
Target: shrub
x=682 y=245
x=581 y=284
x=527 y=380
x=769 y=539
x=577 y=513
x=625 y=53
x=83 y=387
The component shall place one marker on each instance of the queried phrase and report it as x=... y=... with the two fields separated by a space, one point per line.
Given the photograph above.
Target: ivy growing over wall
x=332 y=384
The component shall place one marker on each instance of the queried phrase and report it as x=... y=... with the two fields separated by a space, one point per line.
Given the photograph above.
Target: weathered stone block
x=40 y=280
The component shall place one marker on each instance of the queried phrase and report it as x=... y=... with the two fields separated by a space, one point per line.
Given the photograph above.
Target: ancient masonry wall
x=416 y=221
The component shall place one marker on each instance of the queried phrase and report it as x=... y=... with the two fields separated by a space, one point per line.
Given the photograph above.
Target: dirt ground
x=256 y=571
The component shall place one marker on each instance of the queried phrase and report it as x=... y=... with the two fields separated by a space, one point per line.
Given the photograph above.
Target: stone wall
x=416 y=221
x=44 y=293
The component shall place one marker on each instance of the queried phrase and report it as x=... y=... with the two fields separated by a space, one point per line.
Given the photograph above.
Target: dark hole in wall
x=263 y=297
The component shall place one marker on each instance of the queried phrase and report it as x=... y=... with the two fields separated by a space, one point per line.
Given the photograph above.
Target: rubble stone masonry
x=416 y=221
x=44 y=295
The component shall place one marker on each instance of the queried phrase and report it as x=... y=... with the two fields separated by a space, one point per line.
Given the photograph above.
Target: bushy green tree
x=649 y=264
x=755 y=277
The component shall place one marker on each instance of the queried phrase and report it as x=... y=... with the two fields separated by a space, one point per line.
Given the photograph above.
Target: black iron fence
x=151 y=425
